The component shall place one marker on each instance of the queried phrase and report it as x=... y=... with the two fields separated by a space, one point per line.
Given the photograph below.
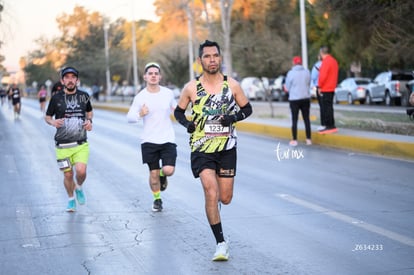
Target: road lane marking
x=26 y=227
x=348 y=219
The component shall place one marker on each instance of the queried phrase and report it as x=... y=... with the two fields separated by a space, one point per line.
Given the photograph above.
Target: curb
x=375 y=146
x=389 y=148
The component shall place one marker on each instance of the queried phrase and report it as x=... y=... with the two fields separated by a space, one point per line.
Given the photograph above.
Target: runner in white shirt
x=154 y=105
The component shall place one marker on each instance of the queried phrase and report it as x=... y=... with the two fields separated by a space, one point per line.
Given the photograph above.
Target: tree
x=265 y=36
x=377 y=33
x=258 y=37
x=40 y=73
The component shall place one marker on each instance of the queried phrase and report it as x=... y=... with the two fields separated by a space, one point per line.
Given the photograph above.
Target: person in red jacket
x=328 y=78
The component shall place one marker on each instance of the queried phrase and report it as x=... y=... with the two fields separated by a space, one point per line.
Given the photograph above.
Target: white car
x=253 y=88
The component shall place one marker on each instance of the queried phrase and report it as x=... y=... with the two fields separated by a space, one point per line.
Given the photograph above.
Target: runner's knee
x=168 y=170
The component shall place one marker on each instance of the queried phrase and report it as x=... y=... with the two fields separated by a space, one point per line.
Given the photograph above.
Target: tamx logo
x=288 y=153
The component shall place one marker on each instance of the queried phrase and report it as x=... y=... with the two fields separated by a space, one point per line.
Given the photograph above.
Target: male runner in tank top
x=217 y=103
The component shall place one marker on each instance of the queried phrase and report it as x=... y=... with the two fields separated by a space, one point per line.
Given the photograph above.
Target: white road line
x=26 y=227
x=336 y=215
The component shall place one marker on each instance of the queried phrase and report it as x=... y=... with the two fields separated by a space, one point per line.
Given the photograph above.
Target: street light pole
x=134 y=58
x=303 y=34
x=190 y=40
x=108 y=73
x=134 y=52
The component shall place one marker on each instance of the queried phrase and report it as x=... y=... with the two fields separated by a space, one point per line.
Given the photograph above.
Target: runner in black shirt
x=15 y=95
x=70 y=111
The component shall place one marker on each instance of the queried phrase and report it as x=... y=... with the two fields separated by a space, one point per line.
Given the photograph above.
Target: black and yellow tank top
x=210 y=136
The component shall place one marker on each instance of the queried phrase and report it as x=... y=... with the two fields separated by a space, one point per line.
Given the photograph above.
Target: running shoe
x=71 y=206
x=222 y=252
x=328 y=131
x=293 y=143
x=163 y=182
x=157 y=205
x=80 y=196
x=308 y=142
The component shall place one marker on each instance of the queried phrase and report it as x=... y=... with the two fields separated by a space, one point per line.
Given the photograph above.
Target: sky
x=23 y=21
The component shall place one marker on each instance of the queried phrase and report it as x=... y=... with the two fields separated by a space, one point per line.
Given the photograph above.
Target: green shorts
x=75 y=154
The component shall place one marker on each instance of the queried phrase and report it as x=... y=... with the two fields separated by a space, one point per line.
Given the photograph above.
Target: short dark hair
x=207 y=43
x=57 y=87
x=324 y=49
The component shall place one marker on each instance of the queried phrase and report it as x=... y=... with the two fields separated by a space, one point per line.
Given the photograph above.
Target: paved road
x=307 y=211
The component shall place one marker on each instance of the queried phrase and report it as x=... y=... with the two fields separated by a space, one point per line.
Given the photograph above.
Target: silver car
x=352 y=89
x=278 y=90
x=393 y=88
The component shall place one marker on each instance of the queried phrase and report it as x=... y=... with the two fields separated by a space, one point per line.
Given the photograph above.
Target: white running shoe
x=222 y=252
x=293 y=143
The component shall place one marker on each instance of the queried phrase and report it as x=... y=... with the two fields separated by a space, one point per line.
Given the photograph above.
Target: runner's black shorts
x=224 y=162
x=152 y=154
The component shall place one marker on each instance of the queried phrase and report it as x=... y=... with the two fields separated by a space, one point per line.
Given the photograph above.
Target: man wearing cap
x=154 y=105
x=70 y=112
x=297 y=84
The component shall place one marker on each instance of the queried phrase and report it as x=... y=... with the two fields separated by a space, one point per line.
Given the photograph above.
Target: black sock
x=218 y=232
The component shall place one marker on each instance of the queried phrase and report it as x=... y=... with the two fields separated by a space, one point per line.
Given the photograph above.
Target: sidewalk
x=389 y=145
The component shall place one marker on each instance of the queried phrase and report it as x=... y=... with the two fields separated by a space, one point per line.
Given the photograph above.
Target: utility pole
x=108 y=73
x=190 y=40
x=226 y=8
x=303 y=34
x=134 y=52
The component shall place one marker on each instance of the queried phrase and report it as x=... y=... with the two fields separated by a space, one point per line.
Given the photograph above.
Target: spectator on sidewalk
x=297 y=85
x=328 y=78
x=314 y=86
x=96 y=91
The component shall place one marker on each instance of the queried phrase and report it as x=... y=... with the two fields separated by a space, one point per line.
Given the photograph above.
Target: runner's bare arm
x=238 y=92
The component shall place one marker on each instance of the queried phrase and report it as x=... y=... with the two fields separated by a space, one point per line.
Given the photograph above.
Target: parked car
x=375 y=93
x=253 y=88
x=395 y=88
x=277 y=89
x=352 y=89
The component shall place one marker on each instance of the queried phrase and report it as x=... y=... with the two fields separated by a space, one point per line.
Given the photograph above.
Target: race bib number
x=64 y=164
x=214 y=128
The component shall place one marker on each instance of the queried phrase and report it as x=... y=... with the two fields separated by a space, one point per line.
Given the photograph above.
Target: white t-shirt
x=158 y=126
